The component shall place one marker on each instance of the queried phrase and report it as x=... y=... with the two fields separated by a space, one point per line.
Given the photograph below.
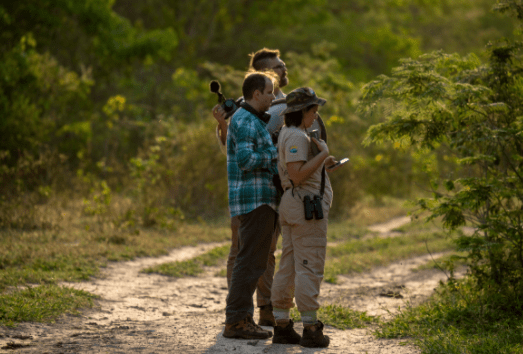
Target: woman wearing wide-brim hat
x=304 y=241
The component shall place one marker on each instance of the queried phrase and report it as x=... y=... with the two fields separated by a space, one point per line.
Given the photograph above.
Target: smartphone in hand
x=339 y=163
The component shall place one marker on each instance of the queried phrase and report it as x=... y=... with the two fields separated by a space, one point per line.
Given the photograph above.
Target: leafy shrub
x=447 y=102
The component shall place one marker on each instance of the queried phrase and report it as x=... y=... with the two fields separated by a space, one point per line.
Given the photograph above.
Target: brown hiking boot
x=284 y=333
x=258 y=326
x=246 y=329
x=313 y=337
x=266 y=316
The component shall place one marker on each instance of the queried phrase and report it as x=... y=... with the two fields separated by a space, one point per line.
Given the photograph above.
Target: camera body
x=228 y=104
x=313 y=208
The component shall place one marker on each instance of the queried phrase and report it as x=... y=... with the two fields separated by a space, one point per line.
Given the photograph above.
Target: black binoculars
x=313 y=208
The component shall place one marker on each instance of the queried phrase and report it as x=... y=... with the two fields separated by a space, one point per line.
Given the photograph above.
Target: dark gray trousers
x=256 y=231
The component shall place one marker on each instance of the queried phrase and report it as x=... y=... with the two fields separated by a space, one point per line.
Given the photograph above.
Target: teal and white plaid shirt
x=251 y=164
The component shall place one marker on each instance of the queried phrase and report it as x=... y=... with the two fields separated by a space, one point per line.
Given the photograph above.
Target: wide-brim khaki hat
x=301 y=98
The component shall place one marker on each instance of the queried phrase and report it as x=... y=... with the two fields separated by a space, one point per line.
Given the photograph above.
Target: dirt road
x=148 y=313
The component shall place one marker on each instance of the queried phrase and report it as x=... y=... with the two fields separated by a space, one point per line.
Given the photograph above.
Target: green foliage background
x=106 y=97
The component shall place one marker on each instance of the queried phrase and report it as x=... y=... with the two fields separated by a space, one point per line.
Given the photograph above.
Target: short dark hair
x=294 y=119
x=254 y=81
x=259 y=59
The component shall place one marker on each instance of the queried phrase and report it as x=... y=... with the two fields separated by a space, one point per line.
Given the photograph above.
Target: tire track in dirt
x=150 y=313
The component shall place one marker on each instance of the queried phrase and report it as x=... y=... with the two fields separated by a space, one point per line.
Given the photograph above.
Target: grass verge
x=50 y=256
x=459 y=319
x=363 y=255
x=191 y=267
x=41 y=303
x=447 y=262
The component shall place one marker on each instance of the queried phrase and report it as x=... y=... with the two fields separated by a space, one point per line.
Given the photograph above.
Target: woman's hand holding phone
x=331 y=165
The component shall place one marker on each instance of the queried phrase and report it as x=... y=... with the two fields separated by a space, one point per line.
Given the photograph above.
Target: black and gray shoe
x=286 y=335
x=313 y=337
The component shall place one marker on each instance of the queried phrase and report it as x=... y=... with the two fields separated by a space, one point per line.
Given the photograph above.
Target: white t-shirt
x=276 y=121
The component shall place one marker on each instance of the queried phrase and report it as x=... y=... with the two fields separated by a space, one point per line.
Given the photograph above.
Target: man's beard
x=283 y=81
x=266 y=108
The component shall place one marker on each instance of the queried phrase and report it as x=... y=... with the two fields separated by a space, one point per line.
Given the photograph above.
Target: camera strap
x=264 y=117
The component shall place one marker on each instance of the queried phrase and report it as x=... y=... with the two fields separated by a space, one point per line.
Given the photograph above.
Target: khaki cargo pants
x=304 y=244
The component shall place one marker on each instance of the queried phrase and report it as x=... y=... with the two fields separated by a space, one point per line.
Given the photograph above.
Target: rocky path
x=148 y=313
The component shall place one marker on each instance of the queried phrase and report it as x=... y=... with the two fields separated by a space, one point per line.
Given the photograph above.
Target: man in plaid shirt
x=263 y=60
x=253 y=197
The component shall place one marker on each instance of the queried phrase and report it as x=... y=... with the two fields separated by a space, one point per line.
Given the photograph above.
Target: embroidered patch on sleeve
x=293 y=149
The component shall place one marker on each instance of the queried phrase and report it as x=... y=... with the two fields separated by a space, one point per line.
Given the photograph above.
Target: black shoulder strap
x=278 y=101
x=323 y=133
x=323 y=136
x=322 y=186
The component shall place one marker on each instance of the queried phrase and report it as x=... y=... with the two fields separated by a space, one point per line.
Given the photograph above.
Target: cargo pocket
x=312 y=254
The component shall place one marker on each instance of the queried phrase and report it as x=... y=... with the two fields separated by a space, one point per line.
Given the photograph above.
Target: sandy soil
x=148 y=313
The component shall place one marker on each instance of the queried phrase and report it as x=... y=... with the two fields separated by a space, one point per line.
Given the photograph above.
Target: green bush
x=443 y=102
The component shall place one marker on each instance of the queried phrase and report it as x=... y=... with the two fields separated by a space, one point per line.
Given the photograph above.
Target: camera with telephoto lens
x=228 y=104
x=313 y=208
